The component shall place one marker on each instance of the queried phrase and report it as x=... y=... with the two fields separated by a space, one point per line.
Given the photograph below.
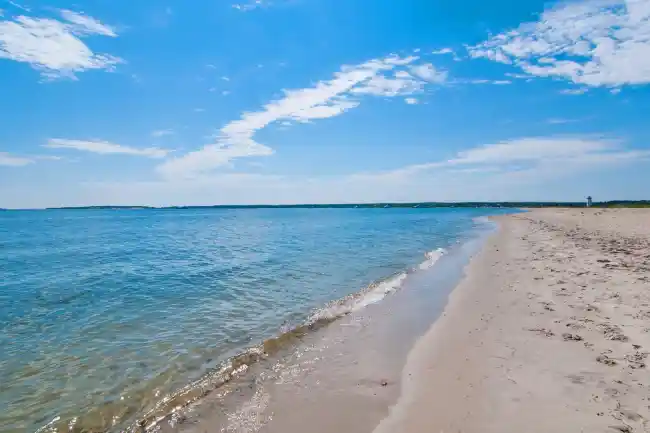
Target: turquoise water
x=104 y=313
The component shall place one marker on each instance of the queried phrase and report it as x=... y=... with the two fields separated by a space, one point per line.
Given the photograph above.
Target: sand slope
x=548 y=332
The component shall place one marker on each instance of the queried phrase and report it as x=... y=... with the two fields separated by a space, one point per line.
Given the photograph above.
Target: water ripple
x=103 y=313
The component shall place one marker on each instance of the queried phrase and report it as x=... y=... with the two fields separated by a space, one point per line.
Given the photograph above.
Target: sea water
x=110 y=319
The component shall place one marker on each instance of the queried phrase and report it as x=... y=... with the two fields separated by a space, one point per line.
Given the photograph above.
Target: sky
x=168 y=102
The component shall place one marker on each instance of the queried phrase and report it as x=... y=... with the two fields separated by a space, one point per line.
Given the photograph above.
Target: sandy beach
x=548 y=332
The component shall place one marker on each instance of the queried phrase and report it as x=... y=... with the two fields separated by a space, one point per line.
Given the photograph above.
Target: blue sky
x=314 y=101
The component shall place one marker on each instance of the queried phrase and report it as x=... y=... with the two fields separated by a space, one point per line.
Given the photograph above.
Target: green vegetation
x=621 y=204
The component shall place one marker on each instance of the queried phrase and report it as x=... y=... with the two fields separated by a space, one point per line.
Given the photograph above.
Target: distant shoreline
x=425 y=205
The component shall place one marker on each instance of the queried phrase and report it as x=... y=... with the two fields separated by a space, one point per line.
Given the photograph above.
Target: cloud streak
x=387 y=77
x=532 y=153
x=162 y=133
x=9 y=160
x=105 y=148
x=81 y=24
x=251 y=5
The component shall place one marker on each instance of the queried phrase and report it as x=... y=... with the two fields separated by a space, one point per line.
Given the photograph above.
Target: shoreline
x=546 y=332
x=351 y=368
x=187 y=363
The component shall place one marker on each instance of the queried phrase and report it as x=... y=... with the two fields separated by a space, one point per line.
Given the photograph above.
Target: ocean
x=135 y=320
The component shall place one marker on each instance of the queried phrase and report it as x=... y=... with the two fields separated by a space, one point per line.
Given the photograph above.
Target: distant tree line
x=423 y=205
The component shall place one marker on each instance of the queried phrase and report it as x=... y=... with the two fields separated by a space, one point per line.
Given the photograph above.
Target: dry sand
x=548 y=332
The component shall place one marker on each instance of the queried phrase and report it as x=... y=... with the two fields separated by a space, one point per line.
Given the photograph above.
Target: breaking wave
x=431 y=258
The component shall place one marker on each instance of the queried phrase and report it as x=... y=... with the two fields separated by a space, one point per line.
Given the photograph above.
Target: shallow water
x=342 y=378
x=103 y=314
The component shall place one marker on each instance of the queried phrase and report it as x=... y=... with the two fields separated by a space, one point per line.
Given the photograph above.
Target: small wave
x=431 y=258
x=239 y=364
x=482 y=220
x=372 y=294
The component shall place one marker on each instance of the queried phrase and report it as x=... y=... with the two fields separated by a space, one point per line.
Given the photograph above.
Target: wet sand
x=548 y=332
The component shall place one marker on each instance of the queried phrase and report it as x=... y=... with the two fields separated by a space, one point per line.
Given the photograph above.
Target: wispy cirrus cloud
x=428 y=72
x=105 y=148
x=485 y=81
x=49 y=158
x=560 y=121
x=54 y=46
x=447 y=51
x=388 y=77
x=81 y=24
x=162 y=133
x=580 y=91
x=251 y=5
x=533 y=153
x=9 y=160
x=592 y=43
x=401 y=83
x=19 y=6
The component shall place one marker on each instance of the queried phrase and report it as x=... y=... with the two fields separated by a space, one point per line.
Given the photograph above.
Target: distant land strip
x=424 y=205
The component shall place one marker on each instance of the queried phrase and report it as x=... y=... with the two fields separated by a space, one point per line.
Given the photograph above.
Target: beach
x=548 y=331
x=440 y=322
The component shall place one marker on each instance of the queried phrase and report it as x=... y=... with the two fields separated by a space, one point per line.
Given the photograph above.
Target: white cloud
x=443 y=51
x=517 y=76
x=199 y=110
x=590 y=42
x=252 y=5
x=162 y=132
x=84 y=25
x=411 y=101
x=6 y=159
x=484 y=81
x=429 y=73
x=48 y=157
x=324 y=100
x=547 y=168
x=533 y=149
x=449 y=51
x=559 y=121
x=402 y=83
x=224 y=78
x=225 y=92
x=532 y=153
x=581 y=91
x=105 y=147
x=19 y=6
x=54 y=47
